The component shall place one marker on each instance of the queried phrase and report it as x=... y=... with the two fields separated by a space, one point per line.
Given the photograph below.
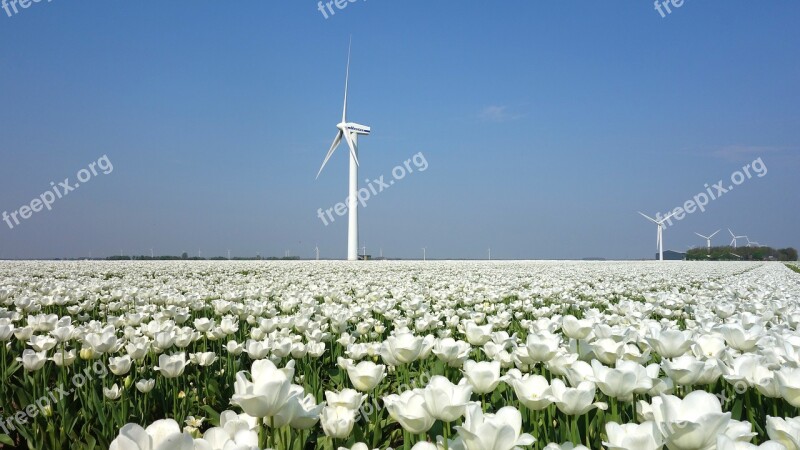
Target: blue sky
x=545 y=125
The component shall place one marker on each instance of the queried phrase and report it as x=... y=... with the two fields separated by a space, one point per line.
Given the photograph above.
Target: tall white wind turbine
x=751 y=243
x=735 y=240
x=350 y=132
x=708 y=239
x=660 y=233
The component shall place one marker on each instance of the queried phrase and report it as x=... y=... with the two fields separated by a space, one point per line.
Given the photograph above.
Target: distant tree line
x=186 y=257
x=742 y=254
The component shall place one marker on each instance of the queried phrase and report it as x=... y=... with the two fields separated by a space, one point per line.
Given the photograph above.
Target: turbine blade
x=352 y=146
x=648 y=217
x=731 y=232
x=336 y=142
x=667 y=217
x=715 y=233
x=347 y=81
x=702 y=235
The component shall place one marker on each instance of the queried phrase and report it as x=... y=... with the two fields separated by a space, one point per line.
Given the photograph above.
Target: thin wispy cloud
x=497 y=114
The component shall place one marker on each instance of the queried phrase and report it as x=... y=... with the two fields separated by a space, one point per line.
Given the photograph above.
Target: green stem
x=272 y=431
x=375 y=424
x=614 y=412
x=262 y=435
x=586 y=430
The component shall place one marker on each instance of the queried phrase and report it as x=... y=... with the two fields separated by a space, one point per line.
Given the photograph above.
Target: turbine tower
x=735 y=240
x=660 y=233
x=350 y=132
x=708 y=239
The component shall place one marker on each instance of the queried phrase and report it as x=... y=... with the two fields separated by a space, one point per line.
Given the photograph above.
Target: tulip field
x=405 y=355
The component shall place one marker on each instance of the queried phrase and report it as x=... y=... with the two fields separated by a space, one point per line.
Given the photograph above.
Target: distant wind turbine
x=734 y=241
x=660 y=233
x=708 y=239
x=350 y=132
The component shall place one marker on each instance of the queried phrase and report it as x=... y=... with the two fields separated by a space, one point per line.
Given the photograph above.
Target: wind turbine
x=424 y=255
x=708 y=239
x=659 y=235
x=734 y=241
x=350 y=132
x=751 y=243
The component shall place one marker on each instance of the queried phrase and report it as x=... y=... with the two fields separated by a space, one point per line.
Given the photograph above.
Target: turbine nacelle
x=355 y=128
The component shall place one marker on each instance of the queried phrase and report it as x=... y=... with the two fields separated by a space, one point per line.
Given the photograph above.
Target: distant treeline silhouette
x=185 y=257
x=742 y=254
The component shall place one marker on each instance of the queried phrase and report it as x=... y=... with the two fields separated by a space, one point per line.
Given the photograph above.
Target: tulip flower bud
x=88 y=354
